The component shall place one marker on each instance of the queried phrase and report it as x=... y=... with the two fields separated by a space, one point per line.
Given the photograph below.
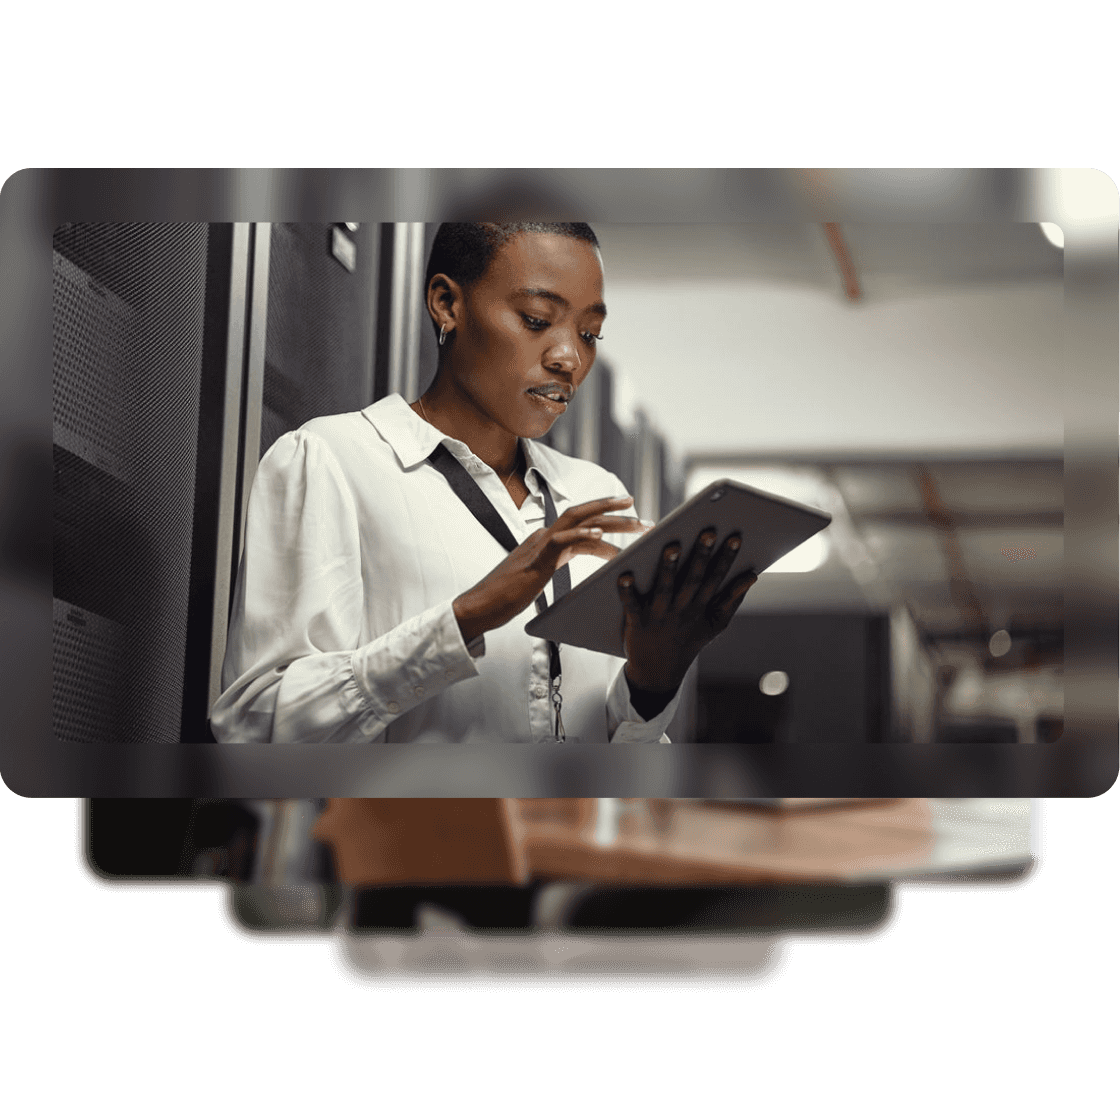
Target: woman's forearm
x=288 y=694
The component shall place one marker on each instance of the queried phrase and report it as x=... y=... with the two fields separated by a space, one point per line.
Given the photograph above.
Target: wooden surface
x=656 y=842
x=665 y=842
x=441 y=840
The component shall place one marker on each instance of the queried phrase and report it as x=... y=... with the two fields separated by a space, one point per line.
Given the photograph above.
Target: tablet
x=590 y=615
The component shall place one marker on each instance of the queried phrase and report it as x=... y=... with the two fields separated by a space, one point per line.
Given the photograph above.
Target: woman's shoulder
x=337 y=428
x=341 y=446
x=380 y=430
x=348 y=436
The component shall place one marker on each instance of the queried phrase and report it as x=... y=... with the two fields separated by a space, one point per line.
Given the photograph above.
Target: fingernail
x=594 y=532
x=648 y=524
x=625 y=581
x=708 y=539
x=672 y=554
x=734 y=544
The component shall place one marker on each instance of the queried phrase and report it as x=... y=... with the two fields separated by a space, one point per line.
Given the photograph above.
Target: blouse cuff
x=411 y=663
x=625 y=724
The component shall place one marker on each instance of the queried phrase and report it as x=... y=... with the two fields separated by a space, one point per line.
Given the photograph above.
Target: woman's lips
x=541 y=395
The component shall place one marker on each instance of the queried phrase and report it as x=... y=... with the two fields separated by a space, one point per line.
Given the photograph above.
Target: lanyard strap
x=470 y=494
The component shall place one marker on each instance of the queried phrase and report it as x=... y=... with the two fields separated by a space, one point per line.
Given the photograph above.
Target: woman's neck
x=459 y=417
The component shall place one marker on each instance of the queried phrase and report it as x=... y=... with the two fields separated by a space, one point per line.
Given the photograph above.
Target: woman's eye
x=591 y=339
x=535 y=324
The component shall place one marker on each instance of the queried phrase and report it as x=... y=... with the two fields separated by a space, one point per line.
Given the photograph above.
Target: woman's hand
x=522 y=575
x=686 y=608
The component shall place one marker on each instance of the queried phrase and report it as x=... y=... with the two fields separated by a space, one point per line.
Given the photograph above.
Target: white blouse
x=342 y=627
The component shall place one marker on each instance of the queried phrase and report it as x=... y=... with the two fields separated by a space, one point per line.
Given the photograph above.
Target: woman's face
x=525 y=331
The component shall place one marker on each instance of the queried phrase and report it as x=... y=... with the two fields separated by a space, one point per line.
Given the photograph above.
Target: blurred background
x=907 y=378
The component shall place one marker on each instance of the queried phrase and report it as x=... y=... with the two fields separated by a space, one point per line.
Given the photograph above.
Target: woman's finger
x=616 y=524
x=718 y=569
x=743 y=584
x=729 y=600
x=577 y=542
x=661 y=597
x=567 y=537
x=573 y=515
x=697 y=566
x=603 y=549
x=631 y=604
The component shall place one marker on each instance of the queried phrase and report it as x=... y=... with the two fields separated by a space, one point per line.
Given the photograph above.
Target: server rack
x=128 y=330
x=181 y=352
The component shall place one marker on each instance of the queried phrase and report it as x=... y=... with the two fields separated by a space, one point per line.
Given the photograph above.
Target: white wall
x=743 y=366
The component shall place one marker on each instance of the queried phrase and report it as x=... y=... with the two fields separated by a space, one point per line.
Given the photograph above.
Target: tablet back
x=590 y=615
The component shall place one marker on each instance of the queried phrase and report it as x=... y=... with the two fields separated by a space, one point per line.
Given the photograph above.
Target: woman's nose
x=563 y=356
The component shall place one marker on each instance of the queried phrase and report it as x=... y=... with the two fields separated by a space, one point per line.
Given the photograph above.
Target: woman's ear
x=445 y=302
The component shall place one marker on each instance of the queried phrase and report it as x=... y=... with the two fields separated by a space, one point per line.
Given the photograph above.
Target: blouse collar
x=413 y=439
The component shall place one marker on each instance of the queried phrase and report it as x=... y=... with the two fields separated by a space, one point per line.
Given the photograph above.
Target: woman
x=372 y=605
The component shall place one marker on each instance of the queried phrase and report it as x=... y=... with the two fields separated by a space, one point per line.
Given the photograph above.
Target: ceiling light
x=1079 y=200
x=773 y=683
x=806 y=557
x=1054 y=234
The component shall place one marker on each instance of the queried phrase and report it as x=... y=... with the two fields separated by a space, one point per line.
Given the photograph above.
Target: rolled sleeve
x=625 y=725
x=295 y=670
x=411 y=663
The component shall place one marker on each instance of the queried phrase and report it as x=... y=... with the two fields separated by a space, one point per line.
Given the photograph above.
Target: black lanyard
x=471 y=495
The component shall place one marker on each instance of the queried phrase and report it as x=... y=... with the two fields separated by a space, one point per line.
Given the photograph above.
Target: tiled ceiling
x=981 y=549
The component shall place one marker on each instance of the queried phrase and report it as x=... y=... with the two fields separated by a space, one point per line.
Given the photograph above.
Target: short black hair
x=463 y=250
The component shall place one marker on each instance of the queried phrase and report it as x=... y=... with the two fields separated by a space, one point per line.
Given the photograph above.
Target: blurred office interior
x=401 y=866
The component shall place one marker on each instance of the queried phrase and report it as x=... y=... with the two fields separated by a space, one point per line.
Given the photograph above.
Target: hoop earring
x=442 y=335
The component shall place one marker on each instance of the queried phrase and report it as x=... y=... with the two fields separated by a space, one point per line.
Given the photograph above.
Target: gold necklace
x=517 y=454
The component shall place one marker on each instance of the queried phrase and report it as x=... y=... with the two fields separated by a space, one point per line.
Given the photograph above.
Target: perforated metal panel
x=91 y=338
x=319 y=345
x=89 y=657
x=128 y=323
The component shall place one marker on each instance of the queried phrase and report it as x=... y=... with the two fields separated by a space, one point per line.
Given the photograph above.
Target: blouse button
x=418 y=691
x=540 y=692
x=393 y=707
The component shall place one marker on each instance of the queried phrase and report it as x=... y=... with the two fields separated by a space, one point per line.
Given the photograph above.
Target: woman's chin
x=538 y=430
x=542 y=414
